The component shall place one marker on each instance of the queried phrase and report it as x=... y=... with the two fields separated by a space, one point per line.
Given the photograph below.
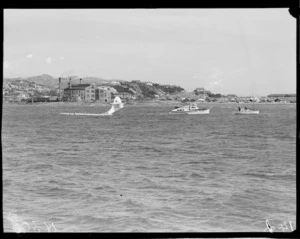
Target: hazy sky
x=241 y=51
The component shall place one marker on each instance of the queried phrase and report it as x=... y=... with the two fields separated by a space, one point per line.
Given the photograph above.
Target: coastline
x=143 y=102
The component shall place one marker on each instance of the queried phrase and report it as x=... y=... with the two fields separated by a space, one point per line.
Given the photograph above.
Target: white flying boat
x=116 y=105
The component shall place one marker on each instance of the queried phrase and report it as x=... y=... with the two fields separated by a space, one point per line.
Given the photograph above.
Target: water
x=143 y=170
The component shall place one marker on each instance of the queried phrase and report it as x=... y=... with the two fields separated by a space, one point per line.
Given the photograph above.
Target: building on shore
x=77 y=92
x=87 y=92
x=103 y=94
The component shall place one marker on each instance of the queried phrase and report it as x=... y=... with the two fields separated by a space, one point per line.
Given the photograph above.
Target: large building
x=76 y=92
x=103 y=93
x=87 y=92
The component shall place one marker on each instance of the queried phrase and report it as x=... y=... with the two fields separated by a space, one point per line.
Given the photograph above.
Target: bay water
x=143 y=170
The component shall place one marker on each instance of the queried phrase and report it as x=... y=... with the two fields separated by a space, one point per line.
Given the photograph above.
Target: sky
x=227 y=51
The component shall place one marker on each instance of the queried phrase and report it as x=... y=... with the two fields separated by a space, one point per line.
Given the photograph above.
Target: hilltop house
x=201 y=92
x=115 y=83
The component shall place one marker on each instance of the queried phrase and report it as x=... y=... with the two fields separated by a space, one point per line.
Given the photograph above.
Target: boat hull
x=196 y=112
x=252 y=112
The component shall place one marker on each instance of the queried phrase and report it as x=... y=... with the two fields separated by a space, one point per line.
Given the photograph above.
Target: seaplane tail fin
x=118 y=101
x=116 y=105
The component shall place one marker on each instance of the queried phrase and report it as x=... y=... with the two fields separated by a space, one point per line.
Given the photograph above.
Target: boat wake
x=116 y=105
x=18 y=224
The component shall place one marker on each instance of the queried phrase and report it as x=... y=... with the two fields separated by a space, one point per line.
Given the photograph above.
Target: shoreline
x=144 y=102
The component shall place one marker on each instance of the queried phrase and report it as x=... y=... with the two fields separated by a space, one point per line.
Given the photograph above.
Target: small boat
x=191 y=109
x=116 y=105
x=246 y=112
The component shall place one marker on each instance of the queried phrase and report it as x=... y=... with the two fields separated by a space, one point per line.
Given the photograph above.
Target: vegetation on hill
x=146 y=90
x=169 y=89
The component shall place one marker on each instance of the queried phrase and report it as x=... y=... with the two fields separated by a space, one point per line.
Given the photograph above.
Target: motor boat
x=246 y=112
x=191 y=109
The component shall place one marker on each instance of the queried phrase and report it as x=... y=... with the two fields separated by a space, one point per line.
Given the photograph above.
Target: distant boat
x=191 y=109
x=246 y=112
x=116 y=105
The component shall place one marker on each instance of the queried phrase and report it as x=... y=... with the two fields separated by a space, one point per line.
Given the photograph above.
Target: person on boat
x=239 y=108
x=245 y=108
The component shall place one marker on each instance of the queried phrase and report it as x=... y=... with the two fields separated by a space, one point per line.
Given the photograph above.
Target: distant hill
x=84 y=80
x=142 y=90
x=96 y=80
x=44 y=79
x=48 y=80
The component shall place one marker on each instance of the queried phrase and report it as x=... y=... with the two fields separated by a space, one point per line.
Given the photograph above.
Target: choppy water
x=147 y=171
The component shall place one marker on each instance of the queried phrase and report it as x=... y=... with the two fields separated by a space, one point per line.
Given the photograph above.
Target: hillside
x=44 y=79
x=52 y=82
x=144 y=90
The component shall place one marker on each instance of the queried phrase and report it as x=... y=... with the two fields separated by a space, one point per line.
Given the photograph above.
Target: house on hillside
x=265 y=99
x=23 y=96
x=201 y=92
x=201 y=100
x=149 y=83
x=115 y=83
x=255 y=99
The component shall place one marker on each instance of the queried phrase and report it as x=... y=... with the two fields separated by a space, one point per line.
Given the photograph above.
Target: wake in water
x=116 y=105
x=19 y=225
